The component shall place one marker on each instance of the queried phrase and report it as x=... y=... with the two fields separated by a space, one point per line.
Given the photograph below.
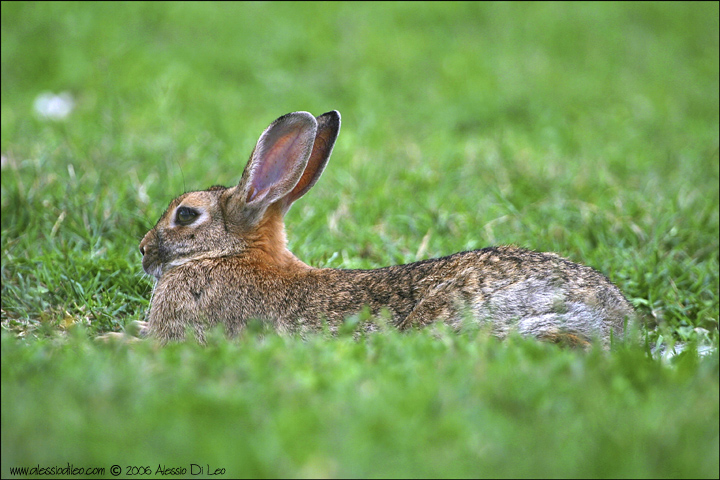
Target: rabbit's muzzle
x=152 y=262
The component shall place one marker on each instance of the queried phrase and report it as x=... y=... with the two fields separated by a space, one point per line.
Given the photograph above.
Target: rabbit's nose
x=143 y=243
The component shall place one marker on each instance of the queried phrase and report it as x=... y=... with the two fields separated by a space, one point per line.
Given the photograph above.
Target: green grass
x=590 y=130
x=422 y=405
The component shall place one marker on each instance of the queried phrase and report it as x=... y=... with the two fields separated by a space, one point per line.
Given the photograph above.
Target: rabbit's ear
x=279 y=159
x=328 y=127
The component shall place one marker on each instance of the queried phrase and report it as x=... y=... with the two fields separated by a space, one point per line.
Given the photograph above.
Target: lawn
x=590 y=130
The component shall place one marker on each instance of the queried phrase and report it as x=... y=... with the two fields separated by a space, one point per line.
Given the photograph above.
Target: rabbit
x=219 y=257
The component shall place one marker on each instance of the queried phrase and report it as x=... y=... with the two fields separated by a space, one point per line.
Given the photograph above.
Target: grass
x=423 y=405
x=586 y=129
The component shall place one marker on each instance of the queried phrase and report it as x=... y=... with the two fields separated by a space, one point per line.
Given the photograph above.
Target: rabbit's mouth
x=152 y=268
x=157 y=261
x=154 y=264
x=157 y=270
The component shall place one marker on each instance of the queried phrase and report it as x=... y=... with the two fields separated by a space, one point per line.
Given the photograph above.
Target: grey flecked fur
x=225 y=262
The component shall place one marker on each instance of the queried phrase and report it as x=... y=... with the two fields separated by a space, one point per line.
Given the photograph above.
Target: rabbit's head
x=246 y=219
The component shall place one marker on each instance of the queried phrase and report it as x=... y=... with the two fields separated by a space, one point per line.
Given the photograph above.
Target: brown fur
x=229 y=264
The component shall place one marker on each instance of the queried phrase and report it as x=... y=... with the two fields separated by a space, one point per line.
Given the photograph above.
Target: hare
x=219 y=257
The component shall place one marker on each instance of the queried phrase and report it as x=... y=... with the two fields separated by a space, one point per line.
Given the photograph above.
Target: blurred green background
x=588 y=129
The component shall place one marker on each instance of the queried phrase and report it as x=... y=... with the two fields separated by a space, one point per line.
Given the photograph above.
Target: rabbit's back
x=505 y=288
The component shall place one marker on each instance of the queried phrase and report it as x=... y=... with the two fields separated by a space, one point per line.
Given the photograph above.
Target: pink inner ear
x=279 y=160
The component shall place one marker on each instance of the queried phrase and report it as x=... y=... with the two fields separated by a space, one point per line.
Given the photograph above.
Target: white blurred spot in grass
x=52 y=106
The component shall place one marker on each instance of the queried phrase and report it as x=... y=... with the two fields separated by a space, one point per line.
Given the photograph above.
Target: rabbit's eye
x=185 y=215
